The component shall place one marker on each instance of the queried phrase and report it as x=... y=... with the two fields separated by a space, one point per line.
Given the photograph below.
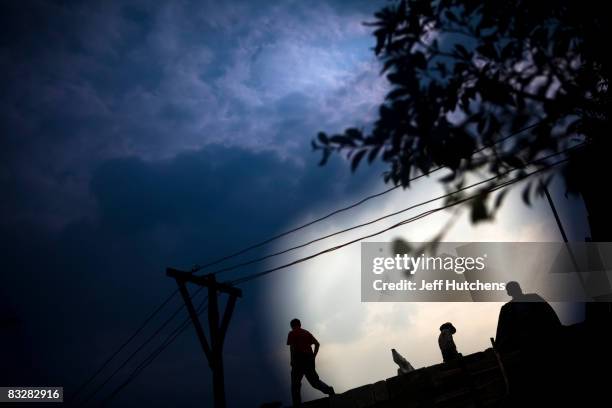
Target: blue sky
x=139 y=135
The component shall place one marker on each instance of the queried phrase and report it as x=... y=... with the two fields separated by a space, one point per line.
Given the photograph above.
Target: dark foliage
x=464 y=74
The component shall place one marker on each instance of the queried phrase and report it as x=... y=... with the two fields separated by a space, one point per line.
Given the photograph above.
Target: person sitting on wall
x=446 y=342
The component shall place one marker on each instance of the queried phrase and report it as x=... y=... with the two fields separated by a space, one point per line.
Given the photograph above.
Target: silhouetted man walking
x=300 y=343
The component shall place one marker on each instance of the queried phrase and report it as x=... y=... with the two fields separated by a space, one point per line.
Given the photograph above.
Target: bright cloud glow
x=357 y=337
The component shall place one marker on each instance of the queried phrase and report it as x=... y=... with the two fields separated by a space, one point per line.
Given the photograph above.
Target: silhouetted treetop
x=463 y=74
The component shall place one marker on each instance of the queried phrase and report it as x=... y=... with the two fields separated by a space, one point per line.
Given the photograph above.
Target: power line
x=185 y=324
x=335 y=248
x=271 y=239
x=136 y=351
x=399 y=224
x=198 y=268
x=449 y=194
x=172 y=336
x=122 y=346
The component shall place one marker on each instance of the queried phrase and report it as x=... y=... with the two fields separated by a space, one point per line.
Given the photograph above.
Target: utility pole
x=563 y=234
x=217 y=324
x=554 y=211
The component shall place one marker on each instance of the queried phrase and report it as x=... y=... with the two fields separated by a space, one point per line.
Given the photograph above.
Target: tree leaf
x=373 y=153
x=357 y=158
x=479 y=210
x=526 y=195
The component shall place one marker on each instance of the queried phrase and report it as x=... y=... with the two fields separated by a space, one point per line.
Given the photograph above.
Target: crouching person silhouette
x=300 y=343
x=447 y=344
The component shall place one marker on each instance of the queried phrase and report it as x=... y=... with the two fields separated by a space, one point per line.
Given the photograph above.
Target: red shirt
x=301 y=340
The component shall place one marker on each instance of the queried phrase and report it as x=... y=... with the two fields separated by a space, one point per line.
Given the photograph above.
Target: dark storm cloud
x=138 y=135
x=84 y=82
x=79 y=292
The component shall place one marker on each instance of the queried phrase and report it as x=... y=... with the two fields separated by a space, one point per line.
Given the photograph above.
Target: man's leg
x=315 y=381
x=296 y=384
